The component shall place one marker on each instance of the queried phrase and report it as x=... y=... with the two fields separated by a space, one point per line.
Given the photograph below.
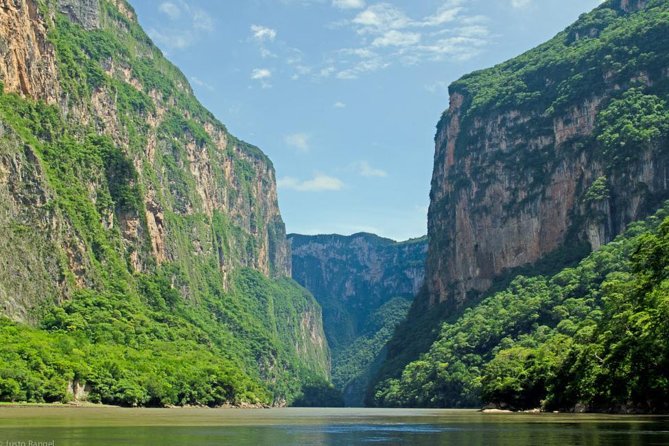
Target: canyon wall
x=522 y=145
x=365 y=284
x=112 y=171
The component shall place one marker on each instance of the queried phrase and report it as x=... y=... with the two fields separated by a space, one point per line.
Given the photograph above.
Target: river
x=61 y=426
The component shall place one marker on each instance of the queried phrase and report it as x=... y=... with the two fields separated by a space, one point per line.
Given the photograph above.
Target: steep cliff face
x=28 y=60
x=111 y=171
x=351 y=276
x=523 y=143
x=538 y=161
x=364 y=284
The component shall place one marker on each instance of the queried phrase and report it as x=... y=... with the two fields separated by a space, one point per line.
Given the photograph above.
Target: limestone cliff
x=523 y=143
x=538 y=161
x=111 y=171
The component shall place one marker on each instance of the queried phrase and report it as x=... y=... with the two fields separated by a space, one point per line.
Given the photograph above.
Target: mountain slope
x=365 y=285
x=589 y=338
x=542 y=159
x=135 y=226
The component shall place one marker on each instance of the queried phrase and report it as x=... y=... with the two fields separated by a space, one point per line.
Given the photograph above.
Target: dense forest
x=591 y=337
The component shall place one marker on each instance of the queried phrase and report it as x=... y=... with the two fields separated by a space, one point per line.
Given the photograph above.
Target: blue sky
x=344 y=95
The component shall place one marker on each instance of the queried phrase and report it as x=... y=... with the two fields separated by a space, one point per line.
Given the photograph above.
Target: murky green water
x=114 y=426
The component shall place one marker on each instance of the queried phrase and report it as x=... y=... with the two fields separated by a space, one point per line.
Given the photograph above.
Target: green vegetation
x=353 y=365
x=200 y=326
x=571 y=66
x=517 y=345
x=154 y=349
x=634 y=121
x=591 y=336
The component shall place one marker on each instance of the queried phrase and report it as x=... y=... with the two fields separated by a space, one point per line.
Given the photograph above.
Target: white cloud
x=363 y=168
x=186 y=26
x=361 y=67
x=263 y=33
x=199 y=82
x=339 y=104
x=300 y=141
x=447 y=13
x=382 y=16
x=388 y=36
x=521 y=3
x=261 y=73
x=327 y=71
x=318 y=183
x=397 y=38
x=348 y=4
x=170 y=9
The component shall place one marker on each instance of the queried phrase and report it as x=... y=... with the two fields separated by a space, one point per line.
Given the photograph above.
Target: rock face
x=538 y=161
x=364 y=284
x=28 y=62
x=110 y=169
x=351 y=276
x=84 y=12
x=521 y=145
x=215 y=177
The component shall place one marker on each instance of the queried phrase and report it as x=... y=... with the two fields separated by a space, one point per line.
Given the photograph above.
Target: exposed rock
x=84 y=12
x=364 y=284
x=351 y=276
x=30 y=270
x=509 y=183
x=27 y=59
x=78 y=390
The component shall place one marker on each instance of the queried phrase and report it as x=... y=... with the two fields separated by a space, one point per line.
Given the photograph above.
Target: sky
x=344 y=95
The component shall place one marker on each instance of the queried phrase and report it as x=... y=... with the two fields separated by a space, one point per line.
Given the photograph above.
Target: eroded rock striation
x=112 y=174
x=538 y=161
x=521 y=146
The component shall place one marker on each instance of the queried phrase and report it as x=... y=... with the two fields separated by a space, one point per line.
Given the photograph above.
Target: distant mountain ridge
x=365 y=284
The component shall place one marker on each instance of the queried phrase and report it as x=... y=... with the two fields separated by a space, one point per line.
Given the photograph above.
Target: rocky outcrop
x=512 y=175
x=27 y=59
x=84 y=12
x=28 y=271
x=229 y=177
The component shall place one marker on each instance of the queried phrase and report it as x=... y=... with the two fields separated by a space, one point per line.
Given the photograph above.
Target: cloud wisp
x=348 y=4
x=299 y=141
x=184 y=25
x=318 y=183
x=364 y=169
x=388 y=35
x=262 y=75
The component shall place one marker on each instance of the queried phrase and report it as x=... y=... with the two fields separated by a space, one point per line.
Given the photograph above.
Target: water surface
x=60 y=426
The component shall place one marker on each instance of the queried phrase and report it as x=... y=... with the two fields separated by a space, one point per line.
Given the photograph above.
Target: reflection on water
x=114 y=426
